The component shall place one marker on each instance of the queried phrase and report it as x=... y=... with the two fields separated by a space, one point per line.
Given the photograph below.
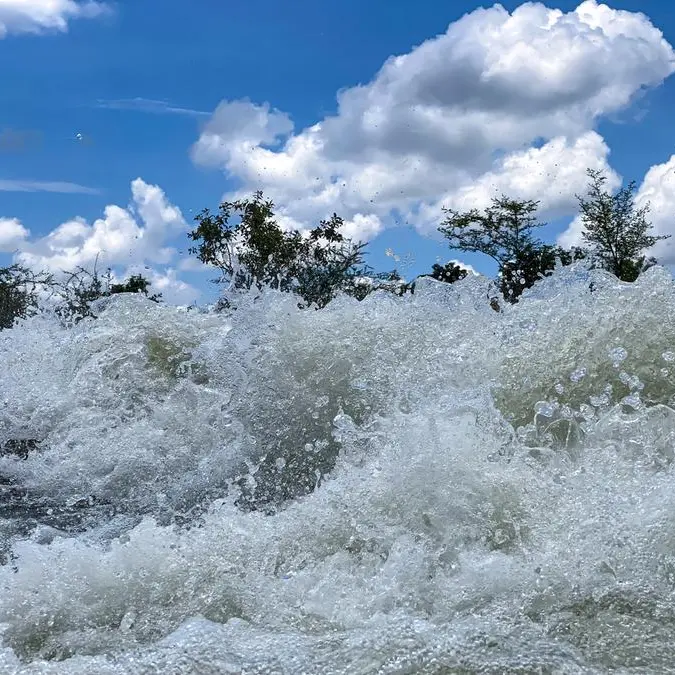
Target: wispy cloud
x=46 y=186
x=151 y=106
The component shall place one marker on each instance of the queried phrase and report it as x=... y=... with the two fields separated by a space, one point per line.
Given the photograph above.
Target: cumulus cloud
x=236 y=128
x=658 y=190
x=572 y=234
x=122 y=236
x=38 y=16
x=552 y=174
x=133 y=238
x=500 y=101
x=12 y=233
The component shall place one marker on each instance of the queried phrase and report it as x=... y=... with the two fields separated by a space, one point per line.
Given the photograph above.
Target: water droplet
x=578 y=375
x=633 y=400
x=599 y=401
x=545 y=408
x=128 y=621
x=617 y=355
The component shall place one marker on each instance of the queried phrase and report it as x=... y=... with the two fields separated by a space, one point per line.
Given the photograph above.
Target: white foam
x=441 y=539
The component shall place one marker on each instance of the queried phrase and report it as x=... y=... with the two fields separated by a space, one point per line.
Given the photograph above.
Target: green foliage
x=449 y=273
x=82 y=288
x=257 y=252
x=530 y=265
x=505 y=232
x=18 y=293
x=616 y=231
x=136 y=283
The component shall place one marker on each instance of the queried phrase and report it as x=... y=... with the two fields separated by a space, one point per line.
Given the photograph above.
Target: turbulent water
x=400 y=485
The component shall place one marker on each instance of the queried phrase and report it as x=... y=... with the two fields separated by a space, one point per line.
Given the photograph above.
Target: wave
x=416 y=484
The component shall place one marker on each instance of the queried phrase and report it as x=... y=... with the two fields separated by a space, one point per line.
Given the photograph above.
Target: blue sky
x=98 y=95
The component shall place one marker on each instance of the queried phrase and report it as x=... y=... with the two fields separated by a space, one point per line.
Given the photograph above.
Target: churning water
x=401 y=485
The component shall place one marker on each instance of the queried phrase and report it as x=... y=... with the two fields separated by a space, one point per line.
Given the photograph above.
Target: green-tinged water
x=402 y=485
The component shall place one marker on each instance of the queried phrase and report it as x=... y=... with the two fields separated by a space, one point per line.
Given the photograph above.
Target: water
x=402 y=485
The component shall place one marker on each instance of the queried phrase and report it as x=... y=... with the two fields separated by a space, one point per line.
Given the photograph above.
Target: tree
x=531 y=264
x=504 y=231
x=616 y=231
x=19 y=293
x=450 y=272
x=257 y=252
x=82 y=288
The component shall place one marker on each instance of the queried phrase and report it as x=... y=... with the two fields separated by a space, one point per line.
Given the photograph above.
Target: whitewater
x=398 y=485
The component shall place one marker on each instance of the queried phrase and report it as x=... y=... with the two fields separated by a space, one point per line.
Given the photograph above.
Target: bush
x=19 y=288
x=82 y=288
x=257 y=252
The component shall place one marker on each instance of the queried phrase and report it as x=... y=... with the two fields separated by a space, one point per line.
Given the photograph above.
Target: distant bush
x=505 y=233
x=616 y=235
x=19 y=289
x=82 y=288
x=531 y=264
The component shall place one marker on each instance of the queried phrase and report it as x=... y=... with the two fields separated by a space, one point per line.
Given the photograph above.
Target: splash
x=415 y=484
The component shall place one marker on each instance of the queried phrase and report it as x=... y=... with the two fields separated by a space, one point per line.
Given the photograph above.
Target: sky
x=120 y=121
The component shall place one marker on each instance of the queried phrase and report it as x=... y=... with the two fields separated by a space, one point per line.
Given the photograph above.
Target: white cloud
x=551 y=174
x=123 y=236
x=192 y=264
x=658 y=189
x=12 y=233
x=363 y=227
x=134 y=238
x=236 y=128
x=174 y=291
x=452 y=121
x=37 y=16
x=572 y=235
x=46 y=186
x=464 y=266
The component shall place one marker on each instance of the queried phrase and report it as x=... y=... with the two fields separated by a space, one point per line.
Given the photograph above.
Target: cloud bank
x=499 y=102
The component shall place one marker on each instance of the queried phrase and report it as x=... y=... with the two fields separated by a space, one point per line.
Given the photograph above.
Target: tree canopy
x=256 y=251
x=615 y=229
x=505 y=232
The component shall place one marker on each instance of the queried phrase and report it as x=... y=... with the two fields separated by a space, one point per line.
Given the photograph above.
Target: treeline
x=244 y=241
x=23 y=292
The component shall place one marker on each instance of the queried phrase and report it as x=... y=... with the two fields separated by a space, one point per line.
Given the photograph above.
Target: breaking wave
x=398 y=485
